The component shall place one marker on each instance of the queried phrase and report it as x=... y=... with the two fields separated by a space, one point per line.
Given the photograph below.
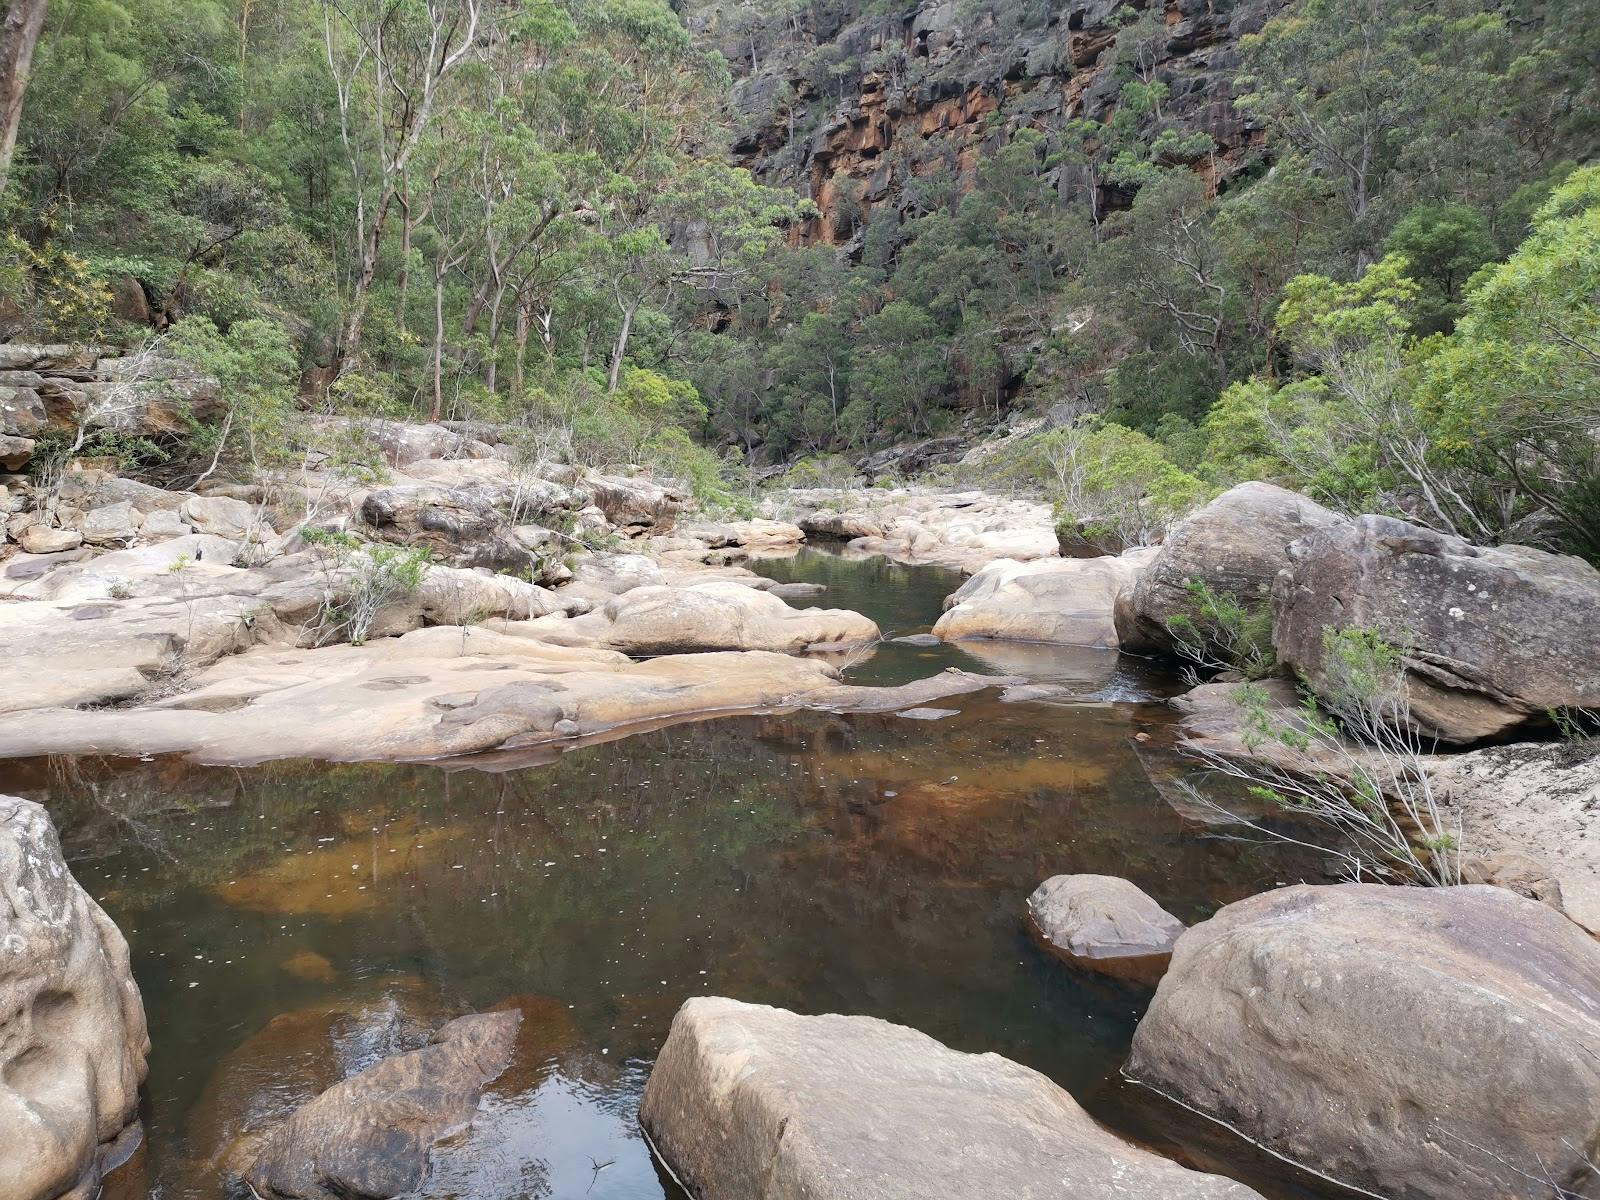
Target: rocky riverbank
x=458 y=600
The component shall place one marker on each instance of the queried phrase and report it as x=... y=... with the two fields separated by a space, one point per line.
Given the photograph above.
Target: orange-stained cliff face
x=853 y=102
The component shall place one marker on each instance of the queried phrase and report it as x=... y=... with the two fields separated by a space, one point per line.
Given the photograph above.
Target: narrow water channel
x=295 y=920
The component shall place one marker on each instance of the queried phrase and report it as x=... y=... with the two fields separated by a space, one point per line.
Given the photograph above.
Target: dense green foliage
x=525 y=212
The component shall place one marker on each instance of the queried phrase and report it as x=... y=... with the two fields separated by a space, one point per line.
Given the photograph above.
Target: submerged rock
x=369 y=1136
x=1070 y=602
x=1106 y=924
x=72 y=1027
x=1437 y=1043
x=1491 y=637
x=751 y=1102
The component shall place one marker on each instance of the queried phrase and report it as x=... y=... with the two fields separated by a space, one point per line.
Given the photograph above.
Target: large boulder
x=1491 y=637
x=1070 y=601
x=225 y=517
x=1234 y=545
x=1104 y=923
x=1438 y=1044
x=634 y=504
x=112 y=524
x=462 y=525
x=72 y=1027
x=755 y=535
x=369 y=1137
x=840 y=526
x=720 y=615
x=748 y=1101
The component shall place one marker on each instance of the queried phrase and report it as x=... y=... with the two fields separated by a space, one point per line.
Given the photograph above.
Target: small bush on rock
x=1349 y=763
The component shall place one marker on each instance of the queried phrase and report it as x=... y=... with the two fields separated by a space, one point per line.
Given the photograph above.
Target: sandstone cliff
x=853 y=102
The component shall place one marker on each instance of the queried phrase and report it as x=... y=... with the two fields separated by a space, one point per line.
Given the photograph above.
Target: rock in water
x=1234 y=545
x=1066 y=601
x=1105 y=924
x=1432 y=1043
x=368 y=1138
x=748 y=1102
x=1491 y=637
x=72 y=1029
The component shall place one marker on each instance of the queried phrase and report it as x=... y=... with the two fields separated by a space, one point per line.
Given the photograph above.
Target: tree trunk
x=492 y=361
x=523 y=330
x=19 y=34
x=621 y=347
x=438 y=345
x=350 y=334
x=407 y=225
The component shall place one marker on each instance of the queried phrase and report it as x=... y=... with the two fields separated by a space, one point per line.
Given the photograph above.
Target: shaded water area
x=294 y=921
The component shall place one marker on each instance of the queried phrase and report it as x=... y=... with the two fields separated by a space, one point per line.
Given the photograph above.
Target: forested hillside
x=1343 y=243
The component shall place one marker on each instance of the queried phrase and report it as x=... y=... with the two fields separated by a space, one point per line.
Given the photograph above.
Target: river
x=294 y=919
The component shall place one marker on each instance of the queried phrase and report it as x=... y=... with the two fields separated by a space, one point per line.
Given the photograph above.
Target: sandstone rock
x=754 y=535
x=636 y=504
x=427 y=694
x=1492 y=638
x=1066 y=601
x=1352 y=1029
x=1105 y=924
x=163 y=524
x=842 y=526
x=42 y=539
x=92 y=489
x=962 y=530
x=112 y=525
x=22 y=411
x=15 y=452
x=55 y=357
x=369 y=1136
x=461 y=525
x=747 y=1101
x=708 y=616
x=72 y=1027
x=224 y=517
x=1538 y=801
x=614 y=574
x=1234 y=545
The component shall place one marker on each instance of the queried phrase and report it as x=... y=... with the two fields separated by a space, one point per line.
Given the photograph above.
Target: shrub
x=1349 y=761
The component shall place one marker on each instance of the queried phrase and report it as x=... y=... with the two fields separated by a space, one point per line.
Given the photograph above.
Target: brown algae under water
x=293 y=922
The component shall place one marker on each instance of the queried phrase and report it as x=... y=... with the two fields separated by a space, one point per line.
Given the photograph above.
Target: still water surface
x=295 y=921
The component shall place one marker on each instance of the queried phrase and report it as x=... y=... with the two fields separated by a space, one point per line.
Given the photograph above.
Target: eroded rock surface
x=1068 y=601
x=1440 y=1043
x=72 y=1027
x=1104 y=923
x=748 y=1101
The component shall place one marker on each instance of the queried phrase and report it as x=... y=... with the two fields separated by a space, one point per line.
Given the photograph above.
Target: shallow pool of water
x=295 y=920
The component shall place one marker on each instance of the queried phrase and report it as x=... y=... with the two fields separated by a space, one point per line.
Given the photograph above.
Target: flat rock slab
x=748 y=1102
x=928 y=714
x=1432 y=1043
x=1106 y=924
